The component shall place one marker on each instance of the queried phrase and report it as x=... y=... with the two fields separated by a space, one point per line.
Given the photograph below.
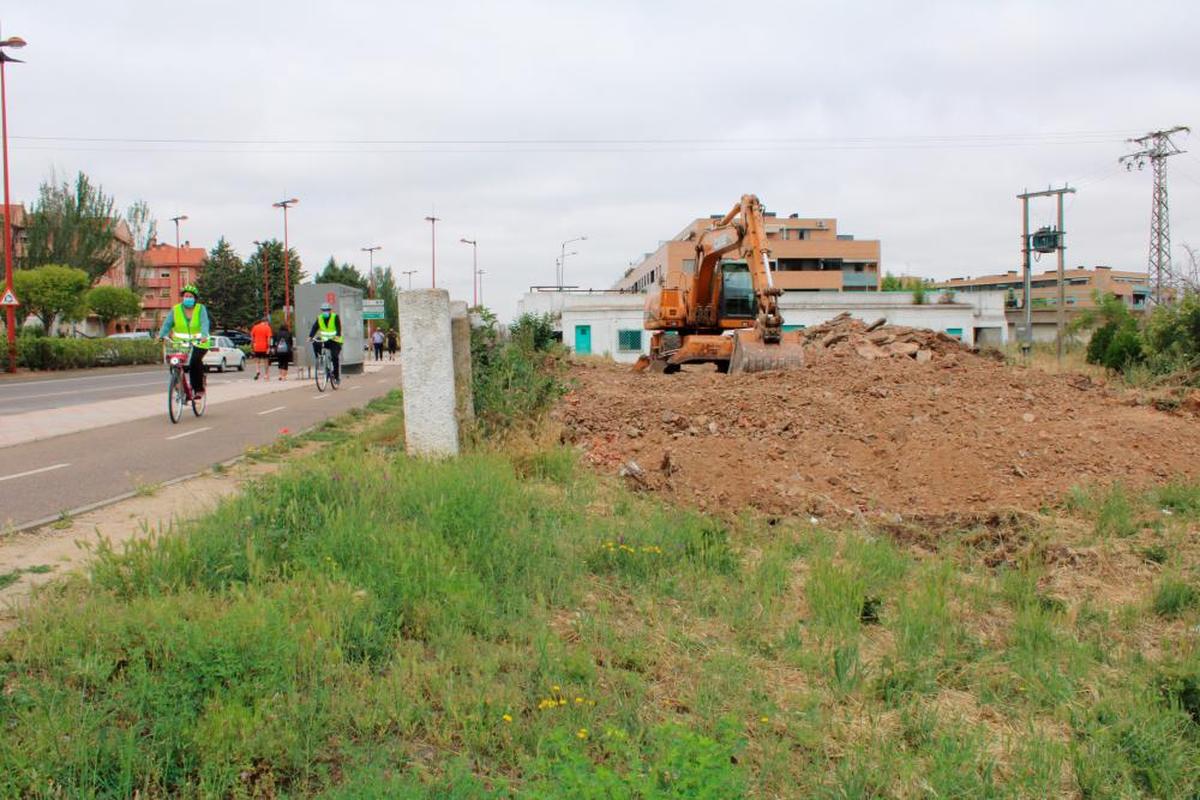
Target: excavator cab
x=737 y=291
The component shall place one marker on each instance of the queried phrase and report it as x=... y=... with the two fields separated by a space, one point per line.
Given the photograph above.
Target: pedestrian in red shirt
x=260 y=344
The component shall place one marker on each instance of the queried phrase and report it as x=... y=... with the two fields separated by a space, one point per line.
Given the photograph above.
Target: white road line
x=382 y=380
x=354 y=388
x=271 y=410
x=83 y=391
x=320 y=396
x=32 y=472
x=189 y=433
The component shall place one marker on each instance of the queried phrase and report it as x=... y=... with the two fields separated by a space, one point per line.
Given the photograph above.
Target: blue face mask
x=188 y=302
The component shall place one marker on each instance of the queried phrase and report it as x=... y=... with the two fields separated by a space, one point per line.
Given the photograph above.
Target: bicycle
x=323 y=372
x=179 y=388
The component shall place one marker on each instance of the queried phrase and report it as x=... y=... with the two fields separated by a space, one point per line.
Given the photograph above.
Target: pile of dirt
x=844 y=335
x=853 y=434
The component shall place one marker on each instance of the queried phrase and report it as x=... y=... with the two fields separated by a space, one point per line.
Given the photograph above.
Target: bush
x=515 y=380
x=42 y=352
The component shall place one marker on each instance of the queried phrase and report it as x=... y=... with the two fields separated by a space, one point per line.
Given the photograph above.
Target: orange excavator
x=725 y=311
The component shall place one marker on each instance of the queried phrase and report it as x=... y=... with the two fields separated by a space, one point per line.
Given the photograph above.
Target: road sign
x=9 y=299
x=373 y=309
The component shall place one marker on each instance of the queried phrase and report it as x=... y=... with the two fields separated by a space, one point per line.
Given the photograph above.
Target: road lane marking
x=189 y=433
x=382 y=380
x=82 y=391
x=320 y=396
x=354 y=388
x=271 y=410
x=32 y=472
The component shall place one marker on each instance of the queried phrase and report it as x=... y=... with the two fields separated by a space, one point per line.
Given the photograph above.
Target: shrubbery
x=1167 y=341
x=42 y=352
x=516 y=377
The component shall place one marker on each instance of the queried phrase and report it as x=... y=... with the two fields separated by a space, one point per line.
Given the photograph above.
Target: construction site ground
x=921 y=428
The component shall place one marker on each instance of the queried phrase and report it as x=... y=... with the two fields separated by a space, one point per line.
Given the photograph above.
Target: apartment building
x=18 y=225
x=1081 y=286
x=163 y=271
x=808 y=255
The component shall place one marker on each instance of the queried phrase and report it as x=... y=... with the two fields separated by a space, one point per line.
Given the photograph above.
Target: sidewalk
x=34 y=425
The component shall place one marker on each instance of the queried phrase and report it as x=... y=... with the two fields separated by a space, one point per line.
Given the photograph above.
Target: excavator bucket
x=752 y=354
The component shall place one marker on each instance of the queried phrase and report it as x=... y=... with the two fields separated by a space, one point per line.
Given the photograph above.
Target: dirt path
x=45 y=554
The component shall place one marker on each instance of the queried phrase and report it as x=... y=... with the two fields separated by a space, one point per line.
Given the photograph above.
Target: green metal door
x=583 y=340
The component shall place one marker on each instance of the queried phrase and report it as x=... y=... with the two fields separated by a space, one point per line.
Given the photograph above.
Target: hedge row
x=52 y=353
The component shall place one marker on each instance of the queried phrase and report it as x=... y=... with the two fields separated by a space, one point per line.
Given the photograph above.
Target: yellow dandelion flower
x=562 y=701
x=582 y=733
x=507 y=718
x=763 y=719
x=591 y=702
x=555 y=689
x=578 y=701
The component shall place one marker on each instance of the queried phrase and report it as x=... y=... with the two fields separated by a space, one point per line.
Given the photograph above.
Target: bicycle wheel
x=200 y=404
x=175 y=396
x=334 y=382
x=320 y=373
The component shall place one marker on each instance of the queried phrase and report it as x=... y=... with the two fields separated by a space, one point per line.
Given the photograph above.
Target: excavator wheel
x=752 y=354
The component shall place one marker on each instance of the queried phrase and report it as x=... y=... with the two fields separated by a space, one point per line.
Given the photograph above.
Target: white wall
x=609 y=313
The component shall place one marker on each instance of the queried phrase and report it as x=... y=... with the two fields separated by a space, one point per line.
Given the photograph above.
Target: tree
x=272 y=252
x=386 y=289
x=346 y=274
x=52 y=290
x=144 y=230
x=72 y=226
x=227 y=288
x=111 y=303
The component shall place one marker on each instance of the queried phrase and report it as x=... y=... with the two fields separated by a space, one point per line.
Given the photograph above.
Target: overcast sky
x=521 y=124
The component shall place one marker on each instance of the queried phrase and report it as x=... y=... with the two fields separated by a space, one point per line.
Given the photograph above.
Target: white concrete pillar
x=427 y=373
x=460 y=334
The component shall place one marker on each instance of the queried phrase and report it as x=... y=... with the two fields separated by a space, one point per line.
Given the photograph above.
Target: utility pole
x=1044 y=240
x=1156 y=147
x=178 y=269
x=409 y=273
x=474 y=270
x=370 y=251
x=479 y=276
x=562 y=259
x=433 y=221
x=287 y=274
x=262 y=252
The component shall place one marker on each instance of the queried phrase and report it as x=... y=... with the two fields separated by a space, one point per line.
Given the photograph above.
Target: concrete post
x=427 y=373
x=460 y=334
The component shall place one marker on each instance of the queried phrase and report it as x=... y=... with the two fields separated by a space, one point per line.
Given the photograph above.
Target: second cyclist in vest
x=327 y=332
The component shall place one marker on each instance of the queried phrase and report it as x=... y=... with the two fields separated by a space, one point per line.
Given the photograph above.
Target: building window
x=629 y=341
x=955 y=332
x=164 y=274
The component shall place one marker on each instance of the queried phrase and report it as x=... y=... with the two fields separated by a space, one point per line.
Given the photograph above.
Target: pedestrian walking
x=377 y=340
x=260 y=345
x=284 y=345
x=393 y=343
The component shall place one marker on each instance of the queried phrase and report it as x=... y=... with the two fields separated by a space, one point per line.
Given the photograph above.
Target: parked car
x=223 y=355
x=239 y=338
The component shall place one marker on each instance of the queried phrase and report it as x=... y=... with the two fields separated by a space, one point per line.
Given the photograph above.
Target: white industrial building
x=609 y=322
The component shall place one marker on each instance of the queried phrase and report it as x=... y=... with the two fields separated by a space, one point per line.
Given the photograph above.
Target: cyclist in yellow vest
x=327 y=332
x=188 y=324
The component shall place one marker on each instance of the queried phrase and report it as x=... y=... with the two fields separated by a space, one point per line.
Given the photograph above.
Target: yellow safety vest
x=188 y=331
x=328 y=328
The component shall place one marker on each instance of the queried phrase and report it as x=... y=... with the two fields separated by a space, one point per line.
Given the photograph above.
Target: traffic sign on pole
x=9 y=299
x=373 y=309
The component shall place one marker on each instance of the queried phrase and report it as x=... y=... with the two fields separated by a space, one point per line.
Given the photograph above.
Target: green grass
x=361 y=624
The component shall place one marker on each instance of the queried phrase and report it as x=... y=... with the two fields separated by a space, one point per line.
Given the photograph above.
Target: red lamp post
x=287 y=275
x=262 y=252
x=15 y=42
x=178 y=270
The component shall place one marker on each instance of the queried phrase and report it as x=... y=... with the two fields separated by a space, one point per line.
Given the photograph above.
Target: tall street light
x=370 y=251
x=262 y=252
x=16 y=43
x=433 y=221
x=479 y=275
x=287 y=274
x=562 y=266
x=178 y=271
x=474 y=269
x=409 y=273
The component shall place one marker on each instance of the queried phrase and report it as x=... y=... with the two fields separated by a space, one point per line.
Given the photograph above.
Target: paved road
x=37 y=394
x=42 y=479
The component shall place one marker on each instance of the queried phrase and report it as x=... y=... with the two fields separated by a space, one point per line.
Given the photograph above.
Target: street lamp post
x=262 y=252
x=16 y=43
x=562 y=260
x=409 y=273
x=433 y=221
x=474 y=269
x=479 y=275
x=287 y=275
x=370 y=251
x=178 y=269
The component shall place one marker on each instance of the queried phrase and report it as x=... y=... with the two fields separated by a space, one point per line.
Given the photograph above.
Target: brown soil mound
x=851 y=433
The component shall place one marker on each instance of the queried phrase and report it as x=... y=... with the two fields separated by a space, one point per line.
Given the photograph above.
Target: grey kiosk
x=347 y=303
